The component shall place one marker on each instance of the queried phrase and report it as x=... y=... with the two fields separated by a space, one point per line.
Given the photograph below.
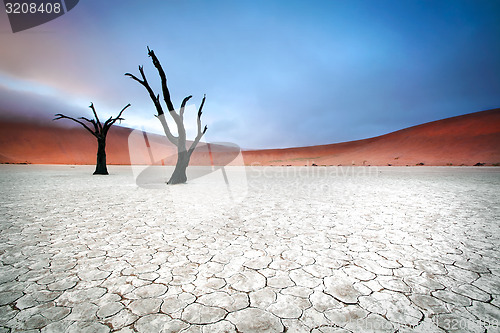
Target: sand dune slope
x=53 y=144
x=462 y=140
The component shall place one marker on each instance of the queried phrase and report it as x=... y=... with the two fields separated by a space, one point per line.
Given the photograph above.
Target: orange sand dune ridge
x=462 y=140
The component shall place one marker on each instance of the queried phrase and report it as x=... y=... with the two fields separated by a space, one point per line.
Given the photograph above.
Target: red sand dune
x=53 y=144
x=462 y=140
x=57 y=143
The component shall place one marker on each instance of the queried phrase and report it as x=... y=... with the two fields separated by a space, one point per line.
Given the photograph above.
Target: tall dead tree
x=183 y=154
x=100 y=131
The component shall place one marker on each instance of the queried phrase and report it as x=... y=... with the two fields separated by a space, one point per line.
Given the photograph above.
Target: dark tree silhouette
x=183 y=154
x=100 y=131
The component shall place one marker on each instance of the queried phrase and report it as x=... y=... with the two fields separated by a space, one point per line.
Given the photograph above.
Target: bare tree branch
x=120 y=114
x=156 y=100
x=144 y=82
x=96 y=117
x=200 y=132
x=201 y=106
x=61 y=116
x=111 y=120
x=196 y=141
x=183 y=105
x=166 y=94
x=92 y=121
x=161 y=72
x=135 y=77
x=172 y=138
x=89 y=120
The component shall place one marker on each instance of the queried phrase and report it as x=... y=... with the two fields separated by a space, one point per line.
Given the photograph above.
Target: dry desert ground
x=250 y=249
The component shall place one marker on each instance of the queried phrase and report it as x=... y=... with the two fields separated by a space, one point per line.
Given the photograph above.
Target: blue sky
x=276 y=73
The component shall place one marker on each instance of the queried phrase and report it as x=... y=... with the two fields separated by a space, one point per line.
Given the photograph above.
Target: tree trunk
x=100 y=168
x=179 y=175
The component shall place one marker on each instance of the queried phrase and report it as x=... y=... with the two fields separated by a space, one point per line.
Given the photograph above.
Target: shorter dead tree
x=100 y=131
x=183 y=153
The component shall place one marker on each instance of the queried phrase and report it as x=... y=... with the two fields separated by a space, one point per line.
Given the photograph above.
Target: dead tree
x=100 y=131
x=183 y=154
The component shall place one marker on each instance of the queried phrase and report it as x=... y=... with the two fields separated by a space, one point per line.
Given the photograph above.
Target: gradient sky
x=276 y=73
